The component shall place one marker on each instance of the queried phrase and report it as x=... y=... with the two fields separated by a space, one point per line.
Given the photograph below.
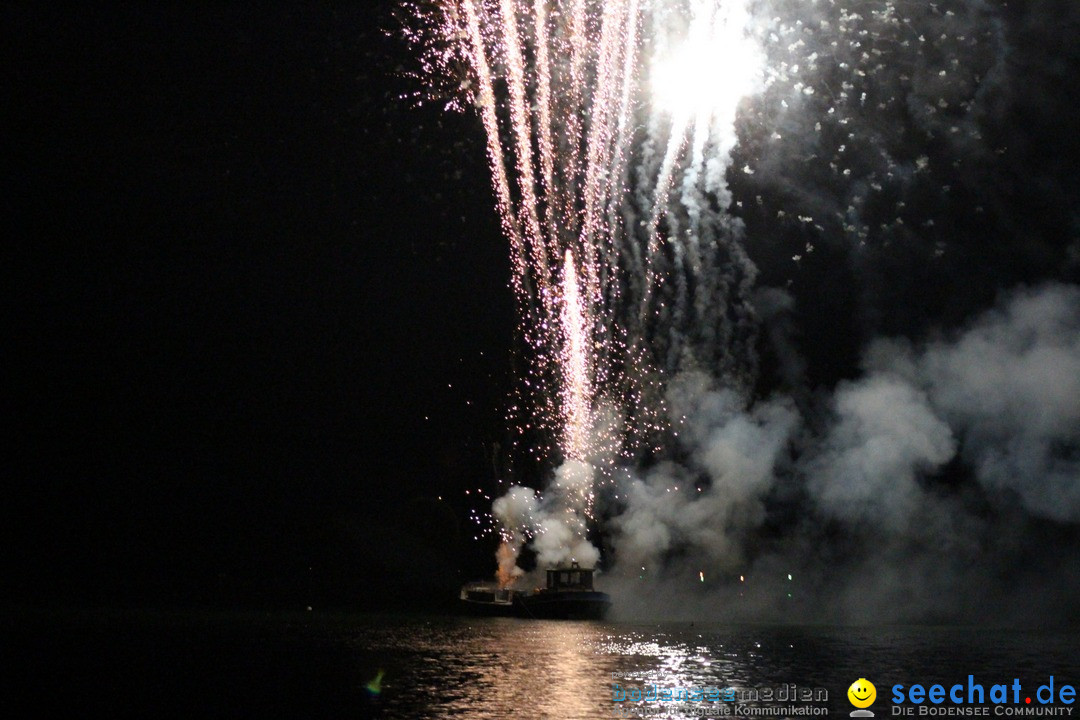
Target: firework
x=603 y=122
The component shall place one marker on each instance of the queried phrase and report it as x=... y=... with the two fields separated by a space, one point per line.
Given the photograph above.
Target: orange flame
x=508 y=570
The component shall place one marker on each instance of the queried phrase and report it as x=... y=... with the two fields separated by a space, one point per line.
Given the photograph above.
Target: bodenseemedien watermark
x=657 y=692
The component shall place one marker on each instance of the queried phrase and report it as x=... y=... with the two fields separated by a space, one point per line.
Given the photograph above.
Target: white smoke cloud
x=517 y=512
x=560 y=542
x=995 y=409
x=733 y=450
x=867 y=466
x=553 y=523
x=1010 y=386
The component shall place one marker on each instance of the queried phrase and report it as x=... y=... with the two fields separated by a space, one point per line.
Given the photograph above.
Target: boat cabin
x=574 y=577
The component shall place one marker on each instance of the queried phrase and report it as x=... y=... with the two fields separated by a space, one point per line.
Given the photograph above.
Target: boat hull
x=488 y=609
x=543 y=605
x=566 y=605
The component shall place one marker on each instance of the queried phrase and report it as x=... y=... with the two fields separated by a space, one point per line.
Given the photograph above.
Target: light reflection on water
x=502 y=668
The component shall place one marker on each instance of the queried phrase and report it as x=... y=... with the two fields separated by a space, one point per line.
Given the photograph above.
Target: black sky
x=241 y=280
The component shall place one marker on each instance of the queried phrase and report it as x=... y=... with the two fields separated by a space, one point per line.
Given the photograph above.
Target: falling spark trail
x=486 y=100
x=523 y=139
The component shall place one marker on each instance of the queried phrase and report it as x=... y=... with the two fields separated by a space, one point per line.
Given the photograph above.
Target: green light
x=375 y=686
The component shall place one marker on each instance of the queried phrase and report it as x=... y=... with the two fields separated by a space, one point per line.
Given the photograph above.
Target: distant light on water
x=375 y=686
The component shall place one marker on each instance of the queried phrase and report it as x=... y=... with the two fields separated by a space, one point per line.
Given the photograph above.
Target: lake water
x=312 y=665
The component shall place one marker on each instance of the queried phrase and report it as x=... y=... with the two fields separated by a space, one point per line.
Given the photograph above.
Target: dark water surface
x=312 y=665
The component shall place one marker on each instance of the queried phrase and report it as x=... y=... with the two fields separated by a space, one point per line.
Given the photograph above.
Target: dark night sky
x=243 y=272
x=241 y=280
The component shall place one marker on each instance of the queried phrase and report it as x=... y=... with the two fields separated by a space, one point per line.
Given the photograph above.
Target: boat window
x=564 y=578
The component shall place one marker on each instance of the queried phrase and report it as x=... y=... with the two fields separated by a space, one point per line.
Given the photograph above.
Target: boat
x=569 y=595
x=485 y=598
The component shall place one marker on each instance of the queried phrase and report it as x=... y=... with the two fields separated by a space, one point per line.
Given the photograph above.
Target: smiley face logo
x=862 y=693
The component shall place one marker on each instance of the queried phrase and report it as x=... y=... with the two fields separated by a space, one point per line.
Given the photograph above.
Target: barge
x=569 y=595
